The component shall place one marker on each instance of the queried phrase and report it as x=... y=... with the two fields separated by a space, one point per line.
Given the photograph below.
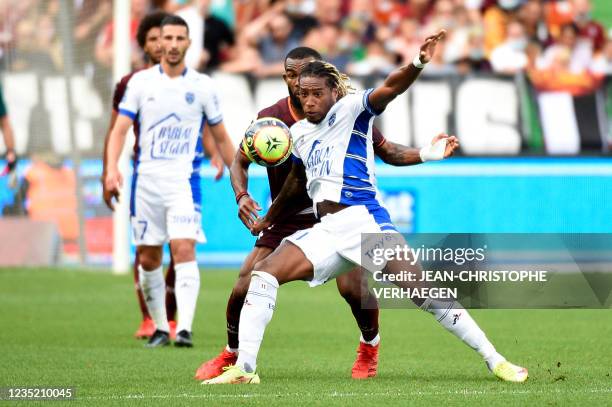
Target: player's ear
x=335 y=94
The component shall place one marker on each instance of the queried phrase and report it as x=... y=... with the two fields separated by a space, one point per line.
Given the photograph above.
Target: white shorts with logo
x=164 y=209
x=334 y=245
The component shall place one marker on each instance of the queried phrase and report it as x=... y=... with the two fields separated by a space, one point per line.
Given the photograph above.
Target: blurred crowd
x=557 y=42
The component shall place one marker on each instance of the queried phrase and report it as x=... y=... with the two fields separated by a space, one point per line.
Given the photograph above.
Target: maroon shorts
x=273 y=236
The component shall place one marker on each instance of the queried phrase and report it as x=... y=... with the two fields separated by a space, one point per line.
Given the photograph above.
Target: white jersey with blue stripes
x=169 y=115
x=338 y=155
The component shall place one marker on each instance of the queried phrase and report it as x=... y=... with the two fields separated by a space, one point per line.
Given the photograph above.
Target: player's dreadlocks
x=333 y=77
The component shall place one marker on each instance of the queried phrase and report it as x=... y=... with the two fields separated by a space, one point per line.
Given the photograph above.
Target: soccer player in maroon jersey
x=149 y=40
x=351 y=285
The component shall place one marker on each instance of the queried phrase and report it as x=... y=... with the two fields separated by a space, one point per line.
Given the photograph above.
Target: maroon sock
x=170 y=297
x=234 y=306
x=366 y=315
x=141 y=300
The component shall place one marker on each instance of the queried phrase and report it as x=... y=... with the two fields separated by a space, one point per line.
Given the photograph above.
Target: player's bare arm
x=293 y=187
x=113 y=180
x=239 y=175
x=211 y=151
x=400 y=80
x=223 y=142
x=9 y=142
x=400 y=155
x=106 y=195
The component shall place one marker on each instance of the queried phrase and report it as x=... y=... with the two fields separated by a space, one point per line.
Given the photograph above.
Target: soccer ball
x=267 y=142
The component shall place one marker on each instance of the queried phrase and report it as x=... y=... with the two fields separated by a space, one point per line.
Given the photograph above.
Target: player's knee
x=149 y=259
x=183 y=252
x=242 y=285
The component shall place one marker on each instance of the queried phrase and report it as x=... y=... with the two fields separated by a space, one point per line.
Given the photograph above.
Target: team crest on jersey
x=331 y=120
x=189 y=97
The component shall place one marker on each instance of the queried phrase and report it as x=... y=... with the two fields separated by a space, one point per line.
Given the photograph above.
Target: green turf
x=71 y=328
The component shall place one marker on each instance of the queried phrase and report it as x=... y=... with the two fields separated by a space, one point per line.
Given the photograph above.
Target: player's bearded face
x=152 y=45
x=293 y=68
x=175 y=42
x=317 y=97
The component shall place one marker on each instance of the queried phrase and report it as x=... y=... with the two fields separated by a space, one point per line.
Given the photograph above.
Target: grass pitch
x=74 y=328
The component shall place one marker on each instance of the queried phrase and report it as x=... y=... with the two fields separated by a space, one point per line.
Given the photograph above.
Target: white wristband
x=433 y=152
x=417 y=62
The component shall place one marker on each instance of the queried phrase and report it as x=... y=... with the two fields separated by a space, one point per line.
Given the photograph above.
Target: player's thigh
x=149 y=257
x=287 y=263
x=183 y=219
x=183 y=250
x=147 y=216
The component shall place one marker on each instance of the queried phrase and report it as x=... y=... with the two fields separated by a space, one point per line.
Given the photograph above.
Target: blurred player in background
x=351 y=285
x=149 y=40
x=170 y=103
x=341 y=183
x=9 y=140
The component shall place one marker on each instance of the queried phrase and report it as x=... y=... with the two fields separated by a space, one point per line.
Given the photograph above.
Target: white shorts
x=334 y=246
x=162 y=210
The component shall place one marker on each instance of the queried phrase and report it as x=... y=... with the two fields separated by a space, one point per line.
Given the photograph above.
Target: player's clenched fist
x=113 y=181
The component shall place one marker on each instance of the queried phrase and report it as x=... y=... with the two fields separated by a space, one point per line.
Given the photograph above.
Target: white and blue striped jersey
x=338 y=155
x=169 y=114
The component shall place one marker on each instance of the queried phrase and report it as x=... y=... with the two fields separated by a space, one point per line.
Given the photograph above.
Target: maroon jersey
x=283 y=111
x=118 y=94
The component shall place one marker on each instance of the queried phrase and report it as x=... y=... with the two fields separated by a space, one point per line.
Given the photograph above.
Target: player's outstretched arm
x=239 y=175
x=292 y=188
x=113 y=180
x=399 y=80
x=442 y=146
x=224 y=144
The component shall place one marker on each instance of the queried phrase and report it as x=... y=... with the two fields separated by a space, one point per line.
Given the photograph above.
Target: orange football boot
x=214 y=367
x=366 y=364
x=146 y=329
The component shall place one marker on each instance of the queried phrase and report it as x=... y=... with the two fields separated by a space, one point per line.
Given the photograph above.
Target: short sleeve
x=212 y=106
x=366 y=103
x=130 y=102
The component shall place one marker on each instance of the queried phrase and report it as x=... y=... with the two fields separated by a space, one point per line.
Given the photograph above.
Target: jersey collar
x=161 y=70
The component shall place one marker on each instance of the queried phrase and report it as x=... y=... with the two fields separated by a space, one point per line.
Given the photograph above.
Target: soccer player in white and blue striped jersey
x=334 y=160
x=169 y=105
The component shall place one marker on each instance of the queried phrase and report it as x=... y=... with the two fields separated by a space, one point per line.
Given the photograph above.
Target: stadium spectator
x=510 y=56
x=588 y=28
x=104 y=44
x=272 y=35
x=376 y=61
x=495 y=20
x=406 y=44
x=37 y=44
x=531 y=15
x=567 y=65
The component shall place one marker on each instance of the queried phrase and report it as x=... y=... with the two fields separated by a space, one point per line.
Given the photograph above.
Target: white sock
x=186 y=290
x=255 y=315
x=153 y=287
x=232 y=350
x=373 y=342
x=460 y=323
